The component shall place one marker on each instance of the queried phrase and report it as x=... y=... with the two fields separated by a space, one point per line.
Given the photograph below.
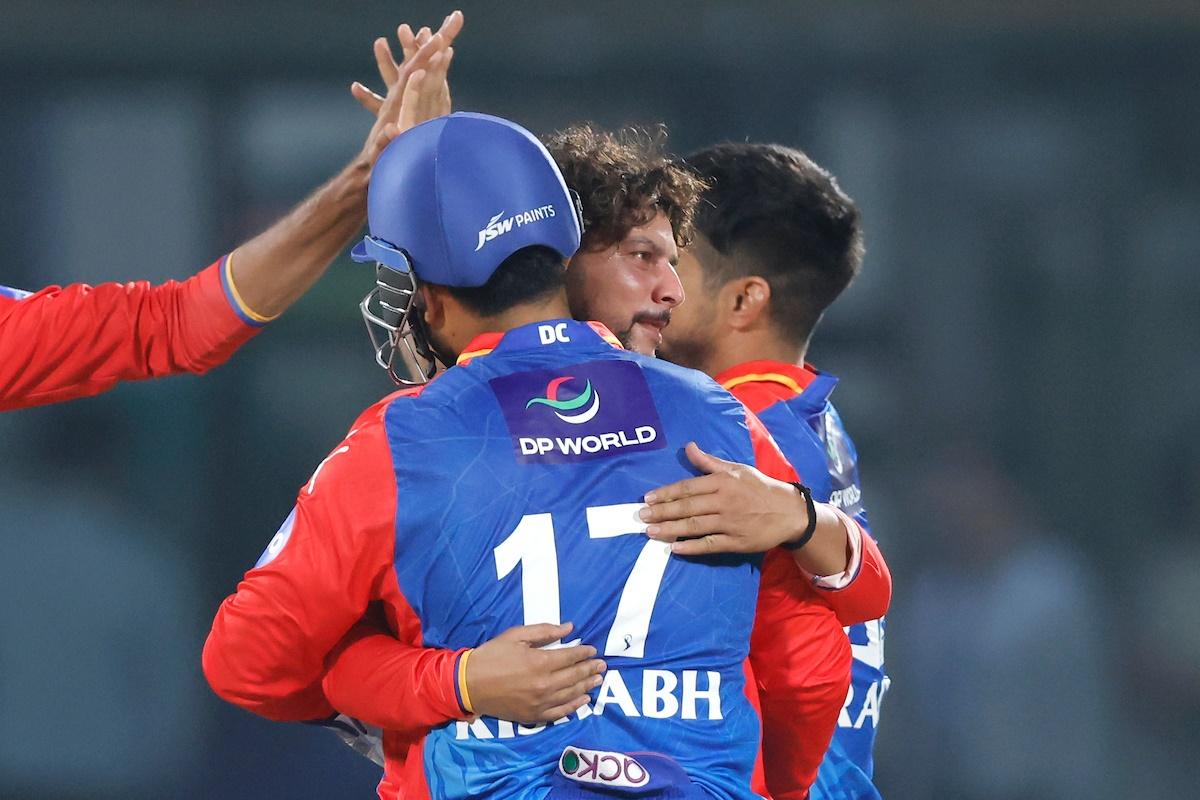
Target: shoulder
x=673 y=376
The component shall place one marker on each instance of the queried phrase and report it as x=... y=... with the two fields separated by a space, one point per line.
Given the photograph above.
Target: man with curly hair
x=637 y=209
x=637 y=212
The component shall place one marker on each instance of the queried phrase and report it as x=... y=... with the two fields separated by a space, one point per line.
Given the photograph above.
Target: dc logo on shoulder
x=602 y=768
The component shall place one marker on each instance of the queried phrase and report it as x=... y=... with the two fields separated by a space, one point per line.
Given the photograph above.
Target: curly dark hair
x=623 y=180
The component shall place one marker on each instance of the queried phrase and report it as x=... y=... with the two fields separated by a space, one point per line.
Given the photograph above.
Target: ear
x=434 y=302
x=746 y=302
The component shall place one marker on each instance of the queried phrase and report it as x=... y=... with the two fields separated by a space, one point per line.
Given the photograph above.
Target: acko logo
x=499 y=225
x=602 y=768
x=575 y=410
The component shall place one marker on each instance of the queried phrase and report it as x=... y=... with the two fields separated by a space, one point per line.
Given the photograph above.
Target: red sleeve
x=801 y=659
x=269 y=642
x=77 y=341
x=394 y=685
x=869 y=594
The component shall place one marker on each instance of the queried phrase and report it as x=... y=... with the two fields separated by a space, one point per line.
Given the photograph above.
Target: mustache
x=658 y=317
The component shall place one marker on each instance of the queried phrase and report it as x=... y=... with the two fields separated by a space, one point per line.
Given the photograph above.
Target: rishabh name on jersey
x=810 y=433
x=488 y=537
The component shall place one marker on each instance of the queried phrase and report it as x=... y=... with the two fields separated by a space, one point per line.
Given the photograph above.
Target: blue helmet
x=448 y=202
x=452 y=198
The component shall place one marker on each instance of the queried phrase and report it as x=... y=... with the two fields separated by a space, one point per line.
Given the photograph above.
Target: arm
x=274 y=269
x=80 y=340
x=738 y=508
x=62 y=344
x=864 y=591
x=375 y=678
x=270 y=640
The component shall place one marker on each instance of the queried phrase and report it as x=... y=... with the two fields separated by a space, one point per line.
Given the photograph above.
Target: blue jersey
x=519 y=477
x=810 y=433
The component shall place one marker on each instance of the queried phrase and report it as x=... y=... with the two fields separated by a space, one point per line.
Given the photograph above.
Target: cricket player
x=63 y=343
x=627 y=270
x=509 y=489
x=633 y=203
x=777 y=242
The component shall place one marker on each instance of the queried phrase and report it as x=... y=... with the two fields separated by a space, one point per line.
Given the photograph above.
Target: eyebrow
x=653 y=245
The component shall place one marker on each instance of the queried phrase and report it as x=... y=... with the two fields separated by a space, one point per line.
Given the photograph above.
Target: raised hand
x=417 y=89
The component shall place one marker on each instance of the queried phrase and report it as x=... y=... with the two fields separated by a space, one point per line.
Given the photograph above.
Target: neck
x=738 y=347
x=553 y=306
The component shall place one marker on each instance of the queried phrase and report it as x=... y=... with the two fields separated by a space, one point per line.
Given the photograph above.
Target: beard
x=625 y=337
x=690 y=352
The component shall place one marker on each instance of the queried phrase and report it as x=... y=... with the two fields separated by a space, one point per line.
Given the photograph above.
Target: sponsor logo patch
x=592 y=410
x=602 y=768
x=499 y=225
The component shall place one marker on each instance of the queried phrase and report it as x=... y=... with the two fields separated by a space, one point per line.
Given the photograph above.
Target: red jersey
x=76 y=341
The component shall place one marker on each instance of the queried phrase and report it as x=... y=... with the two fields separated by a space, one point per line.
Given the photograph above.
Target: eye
x=643 y=255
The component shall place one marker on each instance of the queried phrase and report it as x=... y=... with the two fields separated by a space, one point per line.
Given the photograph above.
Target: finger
x=564 y=710
x=423 y=36
x=366 y=98
x=409 y=115
x=408 y=41
x=705 y=462
x=537 y=635
x=686 y=528
x=691 y=506
x=452 y=25
x=689 y=487
x=705 y=545
x=562 y=658
x=425 y=52
x=384 y=61
x=574 y=689
x=581 y=673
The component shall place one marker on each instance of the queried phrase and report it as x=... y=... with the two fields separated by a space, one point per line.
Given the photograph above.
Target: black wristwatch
x=806 y=493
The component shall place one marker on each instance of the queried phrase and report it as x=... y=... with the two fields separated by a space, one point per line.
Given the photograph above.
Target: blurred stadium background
x=1017 y=358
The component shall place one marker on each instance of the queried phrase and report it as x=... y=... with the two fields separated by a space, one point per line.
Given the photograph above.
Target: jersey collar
x=792 y=376
x=551 y=332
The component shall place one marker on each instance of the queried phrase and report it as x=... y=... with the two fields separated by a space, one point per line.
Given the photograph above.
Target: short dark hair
x=527 y=275
x=771 y=211
x=623 y=180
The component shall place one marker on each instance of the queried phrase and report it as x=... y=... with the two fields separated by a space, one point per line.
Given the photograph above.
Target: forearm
x=375 y=678
x=65 y=343
x=272 y=270
x=829 y=550
x=262 y=665
x=866 y=591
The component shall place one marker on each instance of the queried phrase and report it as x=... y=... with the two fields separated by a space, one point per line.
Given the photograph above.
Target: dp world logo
x=574 y=410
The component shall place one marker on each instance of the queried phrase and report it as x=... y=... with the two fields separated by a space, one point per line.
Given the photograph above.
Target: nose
x=668 y=291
